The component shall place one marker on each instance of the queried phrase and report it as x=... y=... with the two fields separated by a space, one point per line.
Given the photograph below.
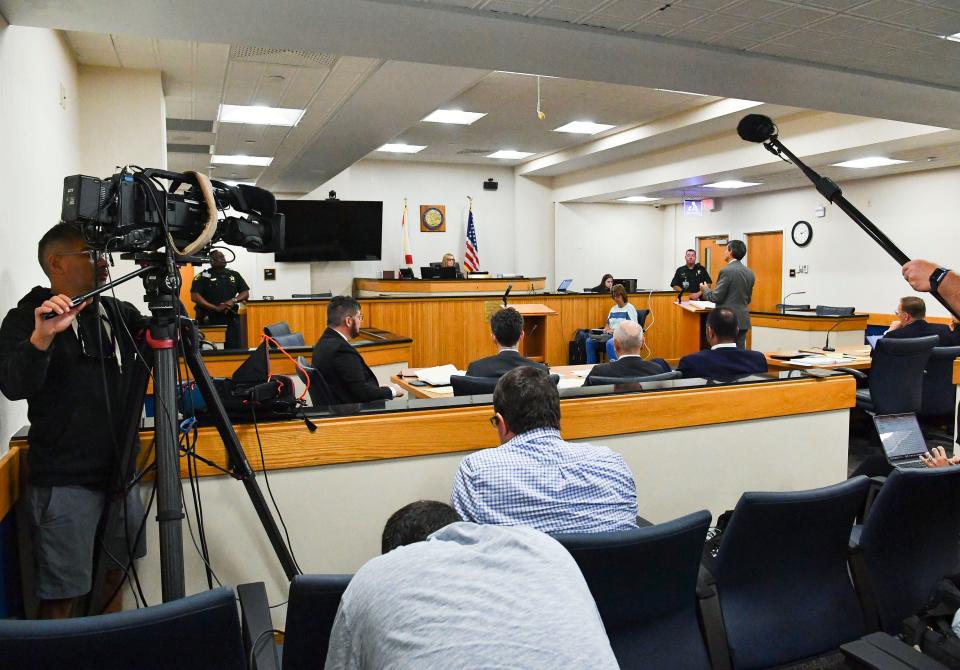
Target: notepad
x=820 y=360
x=438 y=375
x=703 y=304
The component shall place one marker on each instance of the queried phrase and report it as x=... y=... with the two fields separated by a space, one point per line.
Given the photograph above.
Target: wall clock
x=801 y=233
x=433 y=218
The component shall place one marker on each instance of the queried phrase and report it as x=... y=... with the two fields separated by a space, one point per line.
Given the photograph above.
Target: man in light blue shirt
x=535 y=478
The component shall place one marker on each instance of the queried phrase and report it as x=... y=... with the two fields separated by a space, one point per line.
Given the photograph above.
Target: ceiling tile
x=508 y=7
x=938 y=21
x=632 y=9
x=559 y=14
x=606 y=21
x=675 y=16
x=754 y=9
x=882 y=9
x=800 y=17
x=719 y=23
x=693 y=35
x=761 y=31
x=583 y=6
x=837 y=5
x=712 y=5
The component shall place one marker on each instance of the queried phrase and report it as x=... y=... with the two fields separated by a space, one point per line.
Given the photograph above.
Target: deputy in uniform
x=216 y=293
x=688 y=277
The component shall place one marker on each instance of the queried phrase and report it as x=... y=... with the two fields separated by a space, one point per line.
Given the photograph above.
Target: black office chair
x=896 y=375
x=200 y=631
x=470 y=385
x=826 y=310
x=312 y=608
x=908 y=542
x=938 y=402
x=319 y=391
x=290 y=340
x=644 y=583
x=277 y=329
x=642 y=315
x=781 y=575
x=602 y=381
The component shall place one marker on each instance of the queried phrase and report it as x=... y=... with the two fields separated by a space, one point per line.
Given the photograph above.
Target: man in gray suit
x=734 y=288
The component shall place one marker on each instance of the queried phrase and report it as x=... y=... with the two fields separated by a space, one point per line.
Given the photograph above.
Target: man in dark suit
x=628 y=343
x=734 y=289
x=346 y=373
x=911 y=322
x=507 y=328
x=724 y=359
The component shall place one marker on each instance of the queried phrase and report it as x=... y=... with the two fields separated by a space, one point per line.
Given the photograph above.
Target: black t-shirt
x=218 y=285
x=693 y=276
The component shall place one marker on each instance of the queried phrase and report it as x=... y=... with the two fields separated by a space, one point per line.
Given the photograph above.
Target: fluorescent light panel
x=869 y=162
x=454 y=116
x=261 y=161
x=732 y=183
x=953 y=38
x=583 y=128
x=231 y=182
x=263 y=116
x=637 y=198
x=510 y=154
x=402 y=148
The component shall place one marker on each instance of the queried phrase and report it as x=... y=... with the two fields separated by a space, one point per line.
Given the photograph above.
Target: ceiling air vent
x=313 y=59
x=474 y=152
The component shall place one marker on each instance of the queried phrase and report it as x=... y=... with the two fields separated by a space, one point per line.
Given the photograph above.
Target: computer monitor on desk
x=629 y=284
x=430 y=272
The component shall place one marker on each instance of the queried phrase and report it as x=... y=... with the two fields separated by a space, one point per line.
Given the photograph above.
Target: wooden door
x=710 y=255
x=765 y=258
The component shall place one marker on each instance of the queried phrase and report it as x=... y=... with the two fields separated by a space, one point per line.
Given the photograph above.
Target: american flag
x=471 y=257
x=407 y=254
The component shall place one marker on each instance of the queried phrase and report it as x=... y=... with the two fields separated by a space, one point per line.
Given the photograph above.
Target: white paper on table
x=570 y=383
x=819 y=360
x=442 y=390
x=439 y=375
x=703 y=304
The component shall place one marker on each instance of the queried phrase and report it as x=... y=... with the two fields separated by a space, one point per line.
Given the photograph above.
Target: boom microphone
x=506 y=293
x=756 y=128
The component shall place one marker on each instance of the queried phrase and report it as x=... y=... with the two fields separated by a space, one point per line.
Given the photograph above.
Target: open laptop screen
x=565 y=284
x=900 y=435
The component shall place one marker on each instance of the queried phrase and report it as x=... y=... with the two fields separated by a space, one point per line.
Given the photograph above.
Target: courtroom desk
x=569 y=378
x=412 y=288
x=690 y=444
x=858 y=358
x=801 y=330
x=455 y=329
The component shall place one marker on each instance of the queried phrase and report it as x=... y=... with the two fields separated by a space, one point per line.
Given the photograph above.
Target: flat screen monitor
x=630 y=285
x=332 y=230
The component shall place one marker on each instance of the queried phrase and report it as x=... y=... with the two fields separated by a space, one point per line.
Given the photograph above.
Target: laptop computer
x=564 y=286
x=902 y=440
x=438 y=273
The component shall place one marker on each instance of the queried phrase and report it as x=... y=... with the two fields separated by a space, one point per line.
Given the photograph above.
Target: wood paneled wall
x=453 y=330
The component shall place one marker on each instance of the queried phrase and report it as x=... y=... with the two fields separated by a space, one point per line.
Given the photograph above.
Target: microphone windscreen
x=756 y=128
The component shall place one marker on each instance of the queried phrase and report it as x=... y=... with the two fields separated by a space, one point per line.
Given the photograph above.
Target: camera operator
x=73 y=370
x=216 y=293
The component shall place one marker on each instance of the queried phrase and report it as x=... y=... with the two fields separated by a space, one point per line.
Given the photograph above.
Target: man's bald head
x=628 y=338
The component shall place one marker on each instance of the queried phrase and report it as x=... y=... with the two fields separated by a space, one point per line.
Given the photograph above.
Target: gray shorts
x=63 y=527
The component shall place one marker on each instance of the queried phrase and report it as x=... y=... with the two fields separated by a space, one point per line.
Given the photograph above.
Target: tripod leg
x=235 y=453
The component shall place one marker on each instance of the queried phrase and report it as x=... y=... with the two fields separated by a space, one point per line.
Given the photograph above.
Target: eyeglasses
x=92 y=254
x=358 y=316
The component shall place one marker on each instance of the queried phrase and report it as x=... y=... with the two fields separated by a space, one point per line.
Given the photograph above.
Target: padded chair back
x=896 y=373
x=290 y=340
x=276 y=329
x=319 y=391
x=470 y=385
x=826 y=310
x=782 y=574
x=644 y=582
x=312 y=608
x=200 y=631
x=938 y=397
x=784 y=307
x=600 y=381
x=642 y=315
x=910 y=540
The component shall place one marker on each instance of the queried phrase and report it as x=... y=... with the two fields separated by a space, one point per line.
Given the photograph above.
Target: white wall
x=916 y=211
x=424 y=184
x=39 y=140
x=122 y=122
x=624 y=240
x=534 y=228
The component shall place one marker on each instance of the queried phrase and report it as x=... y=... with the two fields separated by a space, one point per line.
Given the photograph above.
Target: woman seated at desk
x=450 y=261
x=621 y=311
x=605 y=285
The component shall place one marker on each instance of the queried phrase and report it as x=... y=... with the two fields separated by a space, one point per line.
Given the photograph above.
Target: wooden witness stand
x=535 y=319
x=691 y=334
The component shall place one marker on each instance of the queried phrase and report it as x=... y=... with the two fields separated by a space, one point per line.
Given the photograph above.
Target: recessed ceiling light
x=583 y=128
x=402 y=148
x=510 y=154
x=454 y=116
x=264 y=116
x=261 y=161
x=230 y=182
x=732 y=183
x=869 y=162
x=953 y=38
x=637 y=198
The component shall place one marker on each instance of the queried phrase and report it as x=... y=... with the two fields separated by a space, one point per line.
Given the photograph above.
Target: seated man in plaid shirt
x=536 y=479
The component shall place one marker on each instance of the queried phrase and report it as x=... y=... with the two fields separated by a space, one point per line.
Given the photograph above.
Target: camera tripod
x=165 y=329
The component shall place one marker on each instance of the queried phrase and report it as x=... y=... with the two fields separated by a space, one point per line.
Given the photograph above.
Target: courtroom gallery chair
x=311 y=610
x=908 y=542
x=197 y=632
x=277 y=329
x=470 y=385
x=663 y=376
x=320 y=395
x=781 y=578
x=938 y=402
x=644 y=583
x=896 y=375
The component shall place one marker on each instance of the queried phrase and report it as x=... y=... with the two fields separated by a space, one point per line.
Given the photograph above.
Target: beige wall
x=39 y=146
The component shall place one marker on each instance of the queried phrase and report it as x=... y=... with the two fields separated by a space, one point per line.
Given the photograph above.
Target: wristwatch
x=936 y=277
